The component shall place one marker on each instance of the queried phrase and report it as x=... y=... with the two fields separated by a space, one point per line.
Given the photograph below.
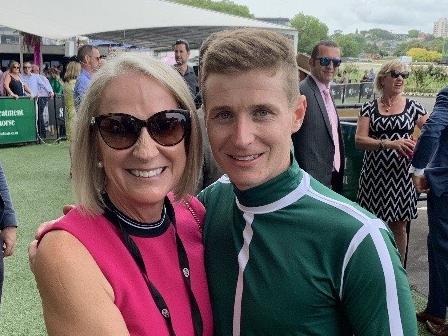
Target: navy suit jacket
x=431 y=150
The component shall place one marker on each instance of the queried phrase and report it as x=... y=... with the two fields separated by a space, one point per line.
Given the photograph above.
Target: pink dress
x=103 y=240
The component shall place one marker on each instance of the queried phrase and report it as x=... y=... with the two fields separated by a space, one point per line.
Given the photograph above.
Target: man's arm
x=8 y=222
x=431 y=131
x=376 y=297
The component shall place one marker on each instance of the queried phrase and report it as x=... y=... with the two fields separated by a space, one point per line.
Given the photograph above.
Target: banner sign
x=17 y=120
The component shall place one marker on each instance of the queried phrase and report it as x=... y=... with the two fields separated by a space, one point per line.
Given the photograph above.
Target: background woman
x=14 y=86
x=385 y=128
x=71 y=74
x=128 y=259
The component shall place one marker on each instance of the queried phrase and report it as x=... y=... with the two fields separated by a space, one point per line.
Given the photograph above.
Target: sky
x=397 y=16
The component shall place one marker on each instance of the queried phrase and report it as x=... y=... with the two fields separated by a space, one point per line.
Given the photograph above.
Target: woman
x=55 y=81
x=129 y=260
x=384 y=131
x=14 y=86
x=71 y=74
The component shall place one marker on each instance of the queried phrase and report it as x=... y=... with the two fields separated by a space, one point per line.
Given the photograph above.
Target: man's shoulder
x=337 y=209
x=217 y=191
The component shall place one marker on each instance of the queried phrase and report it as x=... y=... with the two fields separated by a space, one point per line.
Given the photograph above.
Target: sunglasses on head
x=121 y=131
x=396 y=74
x=325 y=61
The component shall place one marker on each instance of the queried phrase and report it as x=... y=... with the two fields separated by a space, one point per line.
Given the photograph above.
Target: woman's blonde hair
x=72 y=71
x=394 y=64
x=89 y=180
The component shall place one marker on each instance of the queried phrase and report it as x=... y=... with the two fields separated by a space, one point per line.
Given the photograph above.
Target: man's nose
x=243 y=131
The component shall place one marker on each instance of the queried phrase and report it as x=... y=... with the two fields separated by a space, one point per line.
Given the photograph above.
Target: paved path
x=417 y=266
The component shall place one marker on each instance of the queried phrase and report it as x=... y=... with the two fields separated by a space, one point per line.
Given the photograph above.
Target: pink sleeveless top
x=102 y=239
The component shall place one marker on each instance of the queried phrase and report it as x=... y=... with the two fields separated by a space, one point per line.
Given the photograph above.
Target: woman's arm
x=362 y=138
x=76 y=297
x=403 y=146
x=422 y=120
x=6 y=85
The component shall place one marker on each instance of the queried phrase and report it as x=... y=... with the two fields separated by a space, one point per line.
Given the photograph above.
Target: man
x=8 y=225
x=40 y=88
x=182 y=54
x=318 y=145
x=431 y=151
x=284 y=254
x=89 y=57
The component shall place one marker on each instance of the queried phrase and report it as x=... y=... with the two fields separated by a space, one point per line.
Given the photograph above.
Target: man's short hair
x=85 y=50
x=244 y=50
x=324 y=43
x=184 y=42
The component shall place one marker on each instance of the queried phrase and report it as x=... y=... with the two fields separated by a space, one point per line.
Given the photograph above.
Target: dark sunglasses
x=396 y=74
x=325 y=61
x=121 y=131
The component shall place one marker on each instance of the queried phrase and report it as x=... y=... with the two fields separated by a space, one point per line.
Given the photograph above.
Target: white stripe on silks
x=243 y=259
x=354 y=243
x=283 y=202
x=373 y=226
x=393 y=307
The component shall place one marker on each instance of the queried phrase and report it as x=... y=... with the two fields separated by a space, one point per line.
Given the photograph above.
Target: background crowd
x=130 y=150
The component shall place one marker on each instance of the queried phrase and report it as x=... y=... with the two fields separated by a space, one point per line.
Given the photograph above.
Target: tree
x=413 y=33
x=311 y=31
x=223 y=6
x=351 y=44
x=423 y=55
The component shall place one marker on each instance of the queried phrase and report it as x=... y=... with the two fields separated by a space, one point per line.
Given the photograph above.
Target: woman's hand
x=404 y=147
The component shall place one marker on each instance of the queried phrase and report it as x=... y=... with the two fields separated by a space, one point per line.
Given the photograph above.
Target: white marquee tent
x=144 y=23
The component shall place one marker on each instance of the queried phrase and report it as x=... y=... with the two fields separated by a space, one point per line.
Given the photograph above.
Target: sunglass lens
x=120 y=131
x=324 y=61
x=405 y=75
x=168 y=128
x=336 y=62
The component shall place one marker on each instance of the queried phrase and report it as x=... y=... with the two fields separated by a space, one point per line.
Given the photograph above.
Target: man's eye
x=261 y=113
x=222 y=115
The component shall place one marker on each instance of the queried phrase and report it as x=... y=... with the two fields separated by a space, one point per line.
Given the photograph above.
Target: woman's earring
x=100 y=164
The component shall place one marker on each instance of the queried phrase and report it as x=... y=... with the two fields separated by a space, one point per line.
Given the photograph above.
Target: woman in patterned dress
x=385 y=128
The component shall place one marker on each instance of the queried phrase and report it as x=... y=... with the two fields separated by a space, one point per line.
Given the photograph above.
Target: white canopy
x=63 y=19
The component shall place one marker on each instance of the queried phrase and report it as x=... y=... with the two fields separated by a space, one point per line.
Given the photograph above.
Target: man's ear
x=298 y=113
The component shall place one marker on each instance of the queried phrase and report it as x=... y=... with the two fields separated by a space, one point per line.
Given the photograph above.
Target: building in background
x=441 y=27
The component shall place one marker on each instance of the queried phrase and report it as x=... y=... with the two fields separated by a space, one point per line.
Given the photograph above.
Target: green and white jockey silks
x=291 y=257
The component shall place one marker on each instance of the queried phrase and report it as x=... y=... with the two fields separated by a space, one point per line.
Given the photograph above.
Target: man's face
x=181 y=54
x=249 y=124
x=325 y=74
x=93 y=60
x=35 y=69
x=27 y=68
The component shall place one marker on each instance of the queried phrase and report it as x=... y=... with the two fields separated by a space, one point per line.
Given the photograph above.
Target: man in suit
x=318 y=145
x=8 y=225
x=430 y=175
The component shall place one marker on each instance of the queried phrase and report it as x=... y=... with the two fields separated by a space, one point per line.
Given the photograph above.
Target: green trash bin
x=353 y=160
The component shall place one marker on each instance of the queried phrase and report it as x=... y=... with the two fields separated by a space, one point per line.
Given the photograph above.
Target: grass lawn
x=38 y=178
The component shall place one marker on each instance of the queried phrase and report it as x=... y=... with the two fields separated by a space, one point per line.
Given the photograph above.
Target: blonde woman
x=71 y=74
x=385 y=128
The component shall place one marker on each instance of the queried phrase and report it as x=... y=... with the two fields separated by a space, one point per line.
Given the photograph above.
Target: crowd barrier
x=18 y=120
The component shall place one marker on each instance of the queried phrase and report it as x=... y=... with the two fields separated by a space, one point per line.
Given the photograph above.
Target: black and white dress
x=385 y=185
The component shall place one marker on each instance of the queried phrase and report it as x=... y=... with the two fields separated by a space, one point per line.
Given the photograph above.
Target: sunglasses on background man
x=325 y=61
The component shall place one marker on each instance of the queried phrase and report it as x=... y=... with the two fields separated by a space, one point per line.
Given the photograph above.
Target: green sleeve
x=376 y=296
